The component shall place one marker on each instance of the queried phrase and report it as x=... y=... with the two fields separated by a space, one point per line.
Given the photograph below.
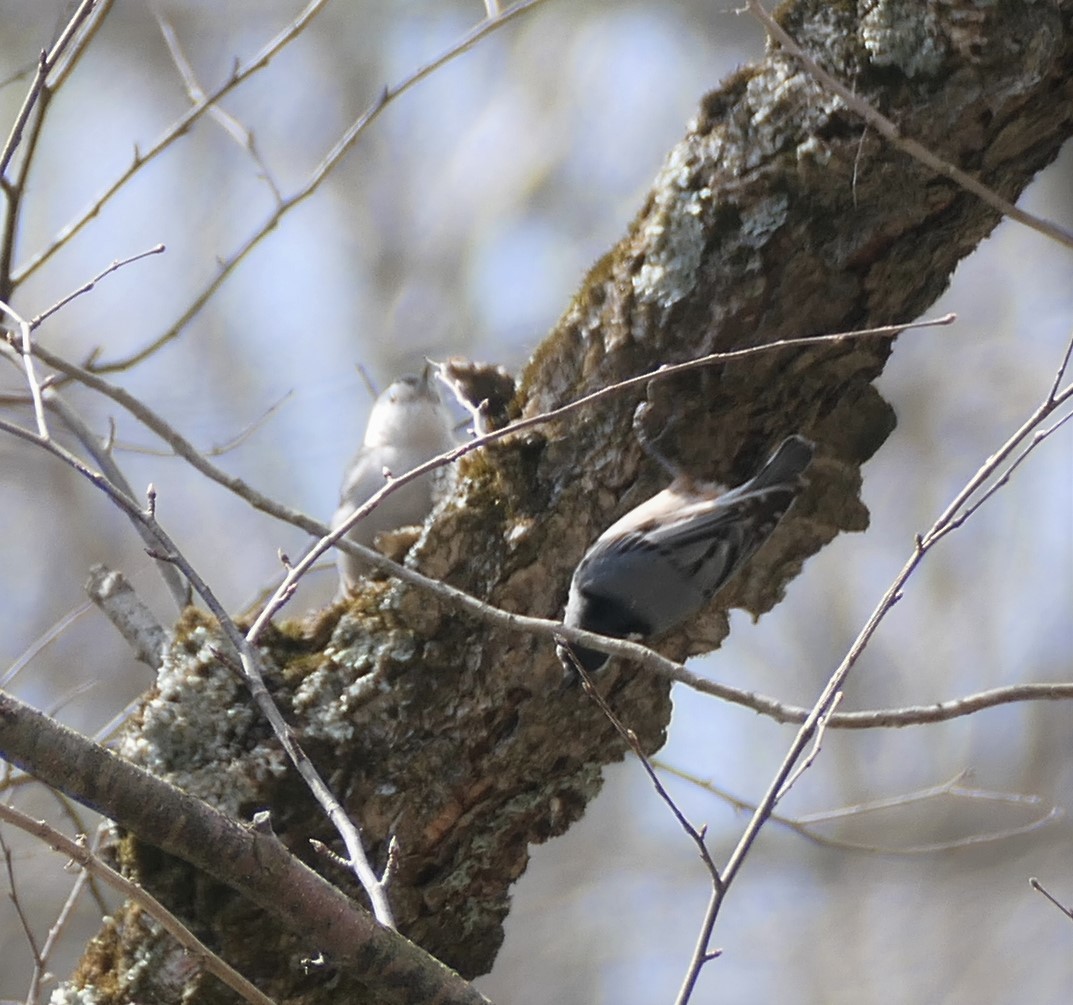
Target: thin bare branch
x=1039 y=888
x=110 y=730
x=40 y=972
x=44 y=66
x=1003 y=479
x=330 y=161
x=881 y=718
x=694 y=834
x=180 y=590
x=15 y=136
x=16 y=901
x=80 y=853
x=19 y=74
x=1060 y=373
x=86 y=287
x=806 y=825
x=238 y=132
x=48 y=636
x=253 y=672
x=217 y=449
x=56 y=64
x=26 y=352
x=179 y=128
x=806 y=762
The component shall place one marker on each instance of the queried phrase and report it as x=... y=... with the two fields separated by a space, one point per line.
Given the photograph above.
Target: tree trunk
x=780 y=214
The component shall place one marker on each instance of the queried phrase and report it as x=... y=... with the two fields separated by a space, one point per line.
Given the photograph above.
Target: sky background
x=461 y=223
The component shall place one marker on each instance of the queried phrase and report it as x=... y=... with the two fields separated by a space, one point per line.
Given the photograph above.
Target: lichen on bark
x=778 y=215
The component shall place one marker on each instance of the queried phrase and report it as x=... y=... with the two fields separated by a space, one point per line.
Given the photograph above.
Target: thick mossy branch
x=778 y=215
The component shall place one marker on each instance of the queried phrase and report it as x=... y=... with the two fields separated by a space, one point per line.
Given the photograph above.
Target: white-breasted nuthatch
x=665 y=559
x=409 y=424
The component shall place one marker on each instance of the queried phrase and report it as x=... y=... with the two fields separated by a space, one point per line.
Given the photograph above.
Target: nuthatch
x=665 y=559
x=409 y=424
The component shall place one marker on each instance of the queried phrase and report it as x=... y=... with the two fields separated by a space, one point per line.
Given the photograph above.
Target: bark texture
x=778 y=215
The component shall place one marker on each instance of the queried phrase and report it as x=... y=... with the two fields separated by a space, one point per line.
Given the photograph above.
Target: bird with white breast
x=409 y=424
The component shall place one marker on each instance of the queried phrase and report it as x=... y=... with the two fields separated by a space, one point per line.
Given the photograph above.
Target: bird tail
x=785 y=465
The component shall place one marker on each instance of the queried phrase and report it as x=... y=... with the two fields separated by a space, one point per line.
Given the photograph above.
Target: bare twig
x=56 y=930
x=60 y=702
x=49 y=635
x=80 y=853
x=1039 y=888
x=250 y=660
x=1003 y=479
x=806 y=824
x=217 y=449
x=44 y=66
x=946 y=522
x=109 y=731
x=16 y=902
x=72 y=812
x=817 y=741
x=238 y=132
x=893 y=134
x=86 y=287
x=331 y=159
x=1051 y=815
x=56 y=64
x=180 y=590
x=694 y=834
x=882 y=718
x=11 y=780
x=1060 y=373
x=15 y=136
x=19 y=74
x=179 y=128
x=960 y=510
x=26 y=352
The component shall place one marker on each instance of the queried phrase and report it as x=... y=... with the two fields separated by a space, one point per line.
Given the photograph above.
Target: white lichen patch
x=903 y=35
x=197 y=731
x=673 y=237
x=813 y=152
x=763 y=218
x=68 y=994
x=326 y=703
x=787 y=102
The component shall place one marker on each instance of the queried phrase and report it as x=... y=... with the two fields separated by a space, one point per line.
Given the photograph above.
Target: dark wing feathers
x=668 y=557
